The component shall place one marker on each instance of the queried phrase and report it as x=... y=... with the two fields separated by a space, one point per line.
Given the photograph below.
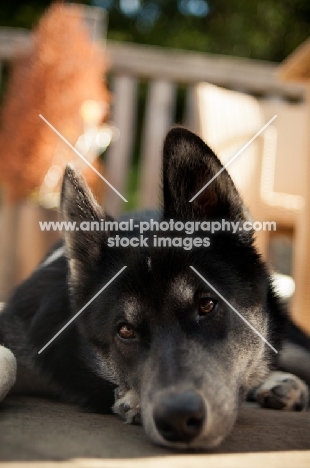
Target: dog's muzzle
x=179 y=417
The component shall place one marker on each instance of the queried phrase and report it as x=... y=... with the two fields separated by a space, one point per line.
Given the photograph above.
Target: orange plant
x=61 y=70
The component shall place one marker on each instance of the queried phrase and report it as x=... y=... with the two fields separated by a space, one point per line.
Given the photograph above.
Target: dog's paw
x=283 y=391
x=127 y=405
x=7 y=371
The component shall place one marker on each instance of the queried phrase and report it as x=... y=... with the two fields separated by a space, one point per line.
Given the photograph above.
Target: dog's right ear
x=188 y=165
x=78 y=205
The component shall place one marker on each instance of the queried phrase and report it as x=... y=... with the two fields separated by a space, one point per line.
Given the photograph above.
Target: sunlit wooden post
x=296 y=68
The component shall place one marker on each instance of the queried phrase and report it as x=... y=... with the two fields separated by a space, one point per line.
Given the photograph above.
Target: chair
x=269 y=173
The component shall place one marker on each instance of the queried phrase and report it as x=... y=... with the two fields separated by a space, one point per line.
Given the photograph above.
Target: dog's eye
x=206 y=305
x=126 y=332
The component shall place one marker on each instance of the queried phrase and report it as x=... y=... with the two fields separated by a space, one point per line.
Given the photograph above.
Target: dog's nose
x=179 y=417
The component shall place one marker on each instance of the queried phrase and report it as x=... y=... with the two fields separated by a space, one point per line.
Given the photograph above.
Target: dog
x=162 y=344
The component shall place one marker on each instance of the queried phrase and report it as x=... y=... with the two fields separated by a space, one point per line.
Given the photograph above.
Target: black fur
x=174 y=347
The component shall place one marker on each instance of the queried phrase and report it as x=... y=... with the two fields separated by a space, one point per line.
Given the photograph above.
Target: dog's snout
x=179 y=417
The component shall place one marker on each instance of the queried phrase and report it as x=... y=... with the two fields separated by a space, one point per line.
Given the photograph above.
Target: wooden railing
x=165 y=71
x=148 y=62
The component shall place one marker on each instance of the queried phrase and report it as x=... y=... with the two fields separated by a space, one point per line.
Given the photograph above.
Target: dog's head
x=174 y=338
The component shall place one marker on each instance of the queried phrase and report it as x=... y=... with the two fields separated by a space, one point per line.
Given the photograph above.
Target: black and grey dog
x=159 y=344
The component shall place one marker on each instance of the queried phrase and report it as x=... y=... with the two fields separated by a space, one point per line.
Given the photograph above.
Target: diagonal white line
x=81 y=310
x=82 y=157
x=235 y=310
x=233 y=158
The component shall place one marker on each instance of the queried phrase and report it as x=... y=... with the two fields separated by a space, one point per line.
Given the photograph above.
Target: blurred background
x=260 y=29
x=113 y=75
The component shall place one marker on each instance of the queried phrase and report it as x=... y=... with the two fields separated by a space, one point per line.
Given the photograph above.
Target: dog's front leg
x=127 y=405
x=283 y=391
x=7 y=371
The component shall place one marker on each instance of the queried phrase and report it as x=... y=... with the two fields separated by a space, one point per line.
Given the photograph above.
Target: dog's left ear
x=78 y=205
x=188 y=165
